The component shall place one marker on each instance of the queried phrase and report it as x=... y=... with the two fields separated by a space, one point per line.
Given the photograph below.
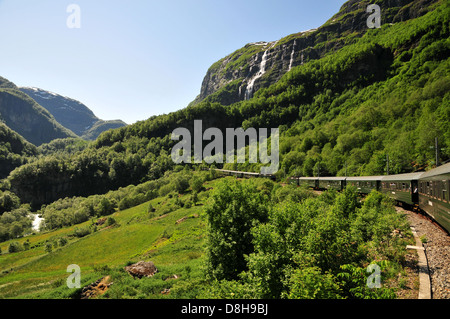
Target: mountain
x=260 y=64
x=359 y=96
x=71 y=113
x=26 y=117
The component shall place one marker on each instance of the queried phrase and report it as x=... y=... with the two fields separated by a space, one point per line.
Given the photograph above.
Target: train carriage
x=337 y=183
x=434 y=188
x=403 y=187
x=365 y=184
x=427 y=190
x=312 y=182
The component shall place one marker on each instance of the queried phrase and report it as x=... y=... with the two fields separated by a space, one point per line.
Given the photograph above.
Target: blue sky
x=133 y=59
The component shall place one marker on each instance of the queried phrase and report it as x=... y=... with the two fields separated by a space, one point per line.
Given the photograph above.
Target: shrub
x=196 y=183
x=81 y=232
x=14 y=247
x=62 y=242
x=110 y=221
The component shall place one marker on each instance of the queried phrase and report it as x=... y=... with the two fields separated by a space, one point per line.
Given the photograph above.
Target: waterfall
x=262 y=70
x=251 y=83
x=292 y=56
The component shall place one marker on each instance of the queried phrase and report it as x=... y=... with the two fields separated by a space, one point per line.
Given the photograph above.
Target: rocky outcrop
x=96 y=289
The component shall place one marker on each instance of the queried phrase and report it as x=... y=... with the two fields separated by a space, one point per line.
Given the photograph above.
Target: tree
x=196 y=183
x=106 y=207
x=14 y=247
x=181 y=183
x=235 y=208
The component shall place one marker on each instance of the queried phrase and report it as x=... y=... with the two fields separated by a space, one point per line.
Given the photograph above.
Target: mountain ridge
x=71 y=113
x=25 y=116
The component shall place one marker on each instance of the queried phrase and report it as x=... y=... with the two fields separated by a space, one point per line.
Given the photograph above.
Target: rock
x=165 y=291
x=97 y=288
x=142 y=269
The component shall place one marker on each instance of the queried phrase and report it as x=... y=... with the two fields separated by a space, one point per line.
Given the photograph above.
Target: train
x=427 y=192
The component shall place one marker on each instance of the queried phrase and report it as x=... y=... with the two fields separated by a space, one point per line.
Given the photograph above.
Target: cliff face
x=257 y=65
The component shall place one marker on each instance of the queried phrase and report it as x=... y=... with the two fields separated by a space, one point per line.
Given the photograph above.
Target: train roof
x=444 y=169
x=365 y=178
x=403 y=177
x=237 y=172
x=332 y=178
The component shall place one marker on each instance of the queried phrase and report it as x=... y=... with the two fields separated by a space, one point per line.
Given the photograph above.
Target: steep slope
x=257 y=65
x=71 y=113
x=14 y=150
x=23 y=115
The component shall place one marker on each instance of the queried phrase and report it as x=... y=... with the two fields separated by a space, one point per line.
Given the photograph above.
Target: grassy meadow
x=173 y=241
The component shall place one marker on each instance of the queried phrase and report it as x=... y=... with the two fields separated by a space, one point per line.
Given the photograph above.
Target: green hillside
x=14 y=150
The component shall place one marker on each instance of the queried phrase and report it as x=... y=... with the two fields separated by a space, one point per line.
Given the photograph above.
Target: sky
x=130 y=60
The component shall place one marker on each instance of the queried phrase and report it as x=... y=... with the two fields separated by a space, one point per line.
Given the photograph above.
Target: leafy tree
x=14 y=247
x=234 y=209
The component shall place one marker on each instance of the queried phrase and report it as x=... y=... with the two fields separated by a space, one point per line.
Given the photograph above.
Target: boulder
x=142 y=269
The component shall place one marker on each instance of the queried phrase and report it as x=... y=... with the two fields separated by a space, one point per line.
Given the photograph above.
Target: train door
x=414 y=191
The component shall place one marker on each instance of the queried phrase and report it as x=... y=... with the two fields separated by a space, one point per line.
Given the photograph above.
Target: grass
x=172 y=237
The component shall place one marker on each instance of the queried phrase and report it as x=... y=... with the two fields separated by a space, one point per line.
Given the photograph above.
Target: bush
x=49 y=247
x=110 y=221
x=14 y=247
x=196 y=183
x=181 y=183
x=62 y=242
x=81 y=232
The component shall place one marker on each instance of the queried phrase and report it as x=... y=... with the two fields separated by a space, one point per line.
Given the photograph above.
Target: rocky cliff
x=257 y=65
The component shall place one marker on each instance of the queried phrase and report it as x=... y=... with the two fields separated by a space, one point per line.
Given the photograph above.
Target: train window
x=444 y=190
